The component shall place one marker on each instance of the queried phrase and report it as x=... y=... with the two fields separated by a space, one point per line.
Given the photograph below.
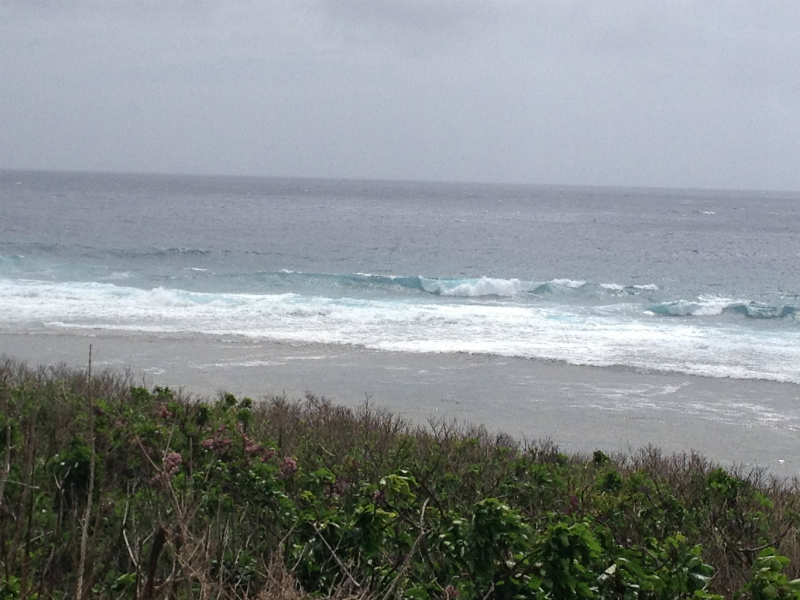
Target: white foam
x=237 y=363
x=568 y=283
x=119 y=276
x=714 y=305
x=705 y=306
x=585 y=335
x=485 y=286
x=491 y=286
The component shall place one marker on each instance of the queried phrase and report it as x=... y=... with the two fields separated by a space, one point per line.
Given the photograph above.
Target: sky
x=665 y=93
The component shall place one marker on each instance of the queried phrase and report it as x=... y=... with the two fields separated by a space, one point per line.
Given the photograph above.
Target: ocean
x=598 y=284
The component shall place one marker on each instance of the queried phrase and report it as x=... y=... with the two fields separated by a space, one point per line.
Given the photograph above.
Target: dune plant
x=123 y=491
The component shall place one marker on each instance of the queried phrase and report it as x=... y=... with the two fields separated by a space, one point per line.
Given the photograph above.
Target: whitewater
x=603 y=325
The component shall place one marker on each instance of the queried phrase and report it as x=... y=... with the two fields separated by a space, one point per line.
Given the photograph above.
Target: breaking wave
x=456 y=287
x=582 y=333
x=720 y=306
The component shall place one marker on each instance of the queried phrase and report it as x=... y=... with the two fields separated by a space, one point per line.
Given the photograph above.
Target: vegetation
x=111 y=490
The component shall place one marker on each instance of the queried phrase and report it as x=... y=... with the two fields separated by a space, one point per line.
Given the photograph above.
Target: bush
x=238 y=499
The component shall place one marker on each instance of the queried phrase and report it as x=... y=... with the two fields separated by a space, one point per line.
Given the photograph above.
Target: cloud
x=645 y=92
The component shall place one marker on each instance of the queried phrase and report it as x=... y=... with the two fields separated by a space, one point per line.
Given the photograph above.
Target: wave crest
x=720 y=306
x=470 y=288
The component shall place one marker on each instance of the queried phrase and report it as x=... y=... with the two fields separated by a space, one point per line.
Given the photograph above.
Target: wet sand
x=748 y=423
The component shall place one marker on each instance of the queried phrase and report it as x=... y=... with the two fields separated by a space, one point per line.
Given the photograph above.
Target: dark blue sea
x=603 y=318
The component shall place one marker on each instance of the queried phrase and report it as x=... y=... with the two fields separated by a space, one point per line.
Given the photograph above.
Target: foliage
x=231 y=498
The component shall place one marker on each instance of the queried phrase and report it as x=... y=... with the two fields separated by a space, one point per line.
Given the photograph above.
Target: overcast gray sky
x=653 y=93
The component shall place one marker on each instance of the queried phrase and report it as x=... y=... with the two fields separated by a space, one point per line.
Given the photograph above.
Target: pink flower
x=216 y=443
x=252 y=446
x=288 y=468
x=172 y=463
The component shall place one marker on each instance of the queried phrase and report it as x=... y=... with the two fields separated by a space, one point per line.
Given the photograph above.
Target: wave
x=11 y=260
x=470 y=288
x=720 y=306
x=202 y=271
x=159 y=252
x=633 y=297
x=576 y=333
x=488 y=286
x=213 y=274
x=454 y=287
x=59 y=251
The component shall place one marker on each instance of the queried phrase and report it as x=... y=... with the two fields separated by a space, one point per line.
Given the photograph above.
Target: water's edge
x=748 y=422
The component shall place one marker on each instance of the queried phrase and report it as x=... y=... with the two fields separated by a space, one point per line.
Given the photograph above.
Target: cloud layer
x=683 y=94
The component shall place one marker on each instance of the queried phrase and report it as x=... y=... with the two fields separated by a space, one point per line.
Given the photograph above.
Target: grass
x=177 y=497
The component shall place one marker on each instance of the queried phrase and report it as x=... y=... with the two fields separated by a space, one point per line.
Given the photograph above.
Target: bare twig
x=336 y=558
x=407 y=560
x=7 y=457
x=92 y=460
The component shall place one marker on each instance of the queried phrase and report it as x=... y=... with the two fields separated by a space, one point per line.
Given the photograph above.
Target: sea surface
x=673 y=283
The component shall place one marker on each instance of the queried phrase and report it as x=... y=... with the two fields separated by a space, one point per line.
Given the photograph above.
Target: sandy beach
x=736 y=422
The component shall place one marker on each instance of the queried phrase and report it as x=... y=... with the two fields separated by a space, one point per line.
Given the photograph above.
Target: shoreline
x=752 y=423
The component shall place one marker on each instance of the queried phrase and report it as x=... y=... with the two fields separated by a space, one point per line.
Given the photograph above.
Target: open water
x=675 y=283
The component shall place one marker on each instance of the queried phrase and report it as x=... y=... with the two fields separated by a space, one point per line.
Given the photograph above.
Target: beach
x=749 y=423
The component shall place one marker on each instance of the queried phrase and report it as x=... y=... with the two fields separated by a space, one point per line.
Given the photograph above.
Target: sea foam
x=582 y=334
x=712 y=306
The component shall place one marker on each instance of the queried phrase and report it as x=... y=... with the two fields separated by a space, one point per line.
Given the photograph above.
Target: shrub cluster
x=112 y=490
